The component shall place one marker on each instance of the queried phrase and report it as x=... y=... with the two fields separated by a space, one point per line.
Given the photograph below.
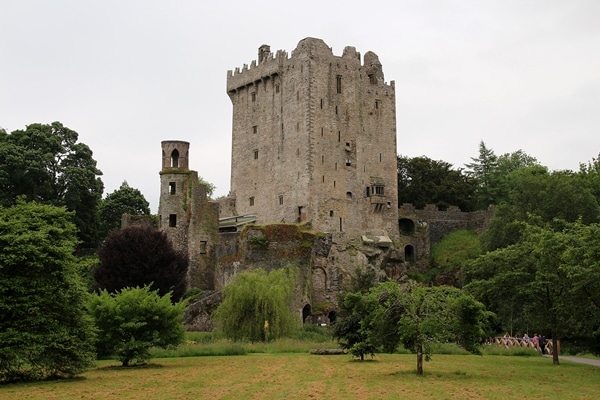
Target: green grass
x=302 y=376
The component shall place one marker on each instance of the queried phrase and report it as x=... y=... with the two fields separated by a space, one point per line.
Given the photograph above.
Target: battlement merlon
x=266 y=67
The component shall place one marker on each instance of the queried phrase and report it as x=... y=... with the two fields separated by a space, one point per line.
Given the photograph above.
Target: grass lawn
x=303 y=376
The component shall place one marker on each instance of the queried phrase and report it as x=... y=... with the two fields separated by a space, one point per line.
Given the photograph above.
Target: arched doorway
x=306 y=312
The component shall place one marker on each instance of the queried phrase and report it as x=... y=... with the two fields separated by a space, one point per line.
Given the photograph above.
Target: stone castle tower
x=185 y=212
x=314 y=139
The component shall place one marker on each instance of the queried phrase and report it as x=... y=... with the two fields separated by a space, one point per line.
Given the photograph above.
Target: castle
x=314 y=139
x=313 y=181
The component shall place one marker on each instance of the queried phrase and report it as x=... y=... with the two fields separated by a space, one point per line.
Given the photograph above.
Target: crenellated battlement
x=266 y=66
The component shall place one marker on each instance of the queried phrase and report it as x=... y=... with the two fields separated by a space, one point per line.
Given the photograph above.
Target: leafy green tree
x=123 y=200
x=544 y=282
x=419 y=317
x=139 y=256
x=547 y=195
x=590 y=173
x=423 y=181
x=352 y=311
x=134 y=320
x=257 y=305
x=46 y=164
x=44 y=330
x=583 y=271
x=209 y=187
x=559 y=194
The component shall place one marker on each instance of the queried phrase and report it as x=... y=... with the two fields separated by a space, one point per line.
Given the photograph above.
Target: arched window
x=175 y=159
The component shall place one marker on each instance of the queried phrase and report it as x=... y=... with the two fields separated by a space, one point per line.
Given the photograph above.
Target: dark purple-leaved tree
x=138 y=256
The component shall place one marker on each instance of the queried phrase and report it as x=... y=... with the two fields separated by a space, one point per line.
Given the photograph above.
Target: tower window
x=203 y=247
x=255 y=154
x=331 y=213
x=377 y=104
x=172 y=187
x=349 y=195
x=321 y=104
x=280 y=199
x=277 y=88
x=253 y=96
x=175 y=159
x=172 y=220
x=252 y=201
x=348 y=163
x=255 y=129
x=338 y=83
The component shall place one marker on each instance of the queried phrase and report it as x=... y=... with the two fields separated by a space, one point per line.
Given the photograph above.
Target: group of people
x=538 y=341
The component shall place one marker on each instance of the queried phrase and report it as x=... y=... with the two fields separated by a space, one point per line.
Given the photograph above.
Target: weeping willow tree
x=257 y=305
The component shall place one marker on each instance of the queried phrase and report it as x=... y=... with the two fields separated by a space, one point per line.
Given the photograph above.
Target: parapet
x=266 y=66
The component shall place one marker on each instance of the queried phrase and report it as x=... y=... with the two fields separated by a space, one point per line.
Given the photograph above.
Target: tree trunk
x=419 y=360
x=554 y=350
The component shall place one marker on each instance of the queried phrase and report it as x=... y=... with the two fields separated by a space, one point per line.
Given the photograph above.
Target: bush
x=132 y=321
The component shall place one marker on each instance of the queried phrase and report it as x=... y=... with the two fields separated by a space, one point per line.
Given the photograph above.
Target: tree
x=423 y=317
x=133 y=320
x=209 y=187
x=139 y=256
x=549 y=195
x=353 y=309
x=44 y=330
x=423 y=181
x=125 y=200
x=46 y=164
x=545 y=282
x=256 y=305
x=484 y=170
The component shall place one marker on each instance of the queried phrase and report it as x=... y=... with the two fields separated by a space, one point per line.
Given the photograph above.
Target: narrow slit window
x=255 y=154
x=338 y=83
x=255 y=129
x=253 y=96
x=172 y=187
x=280 y=199
x=172 y=220
x=251 y=201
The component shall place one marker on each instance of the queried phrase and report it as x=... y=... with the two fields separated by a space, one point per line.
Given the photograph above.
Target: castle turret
x=185 y=212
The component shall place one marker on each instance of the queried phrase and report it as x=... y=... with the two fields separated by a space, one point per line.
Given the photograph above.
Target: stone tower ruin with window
x=185 y=212
x=314 y=140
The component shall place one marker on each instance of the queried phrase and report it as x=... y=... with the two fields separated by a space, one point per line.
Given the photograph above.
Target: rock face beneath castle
x=314 y=139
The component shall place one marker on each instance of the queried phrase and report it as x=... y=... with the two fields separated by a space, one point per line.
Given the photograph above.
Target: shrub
x=132 y=321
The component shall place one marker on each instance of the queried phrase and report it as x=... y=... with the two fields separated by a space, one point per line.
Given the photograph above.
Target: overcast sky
x=124 y=74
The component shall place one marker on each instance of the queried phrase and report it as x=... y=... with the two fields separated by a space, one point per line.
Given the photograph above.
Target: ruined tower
x=185 y=212
x=314 y=139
